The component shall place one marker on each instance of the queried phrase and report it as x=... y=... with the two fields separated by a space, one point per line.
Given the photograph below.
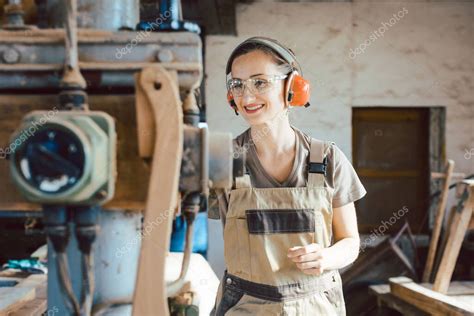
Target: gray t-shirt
x=340 y=175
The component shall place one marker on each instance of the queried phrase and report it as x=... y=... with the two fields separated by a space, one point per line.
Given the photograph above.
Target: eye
x=260 y=83
x=235 y=84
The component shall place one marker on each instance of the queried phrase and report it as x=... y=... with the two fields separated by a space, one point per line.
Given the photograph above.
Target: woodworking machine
x=93 y=103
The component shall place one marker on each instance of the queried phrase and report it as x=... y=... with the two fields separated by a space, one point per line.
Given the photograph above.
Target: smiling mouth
x=253 y=108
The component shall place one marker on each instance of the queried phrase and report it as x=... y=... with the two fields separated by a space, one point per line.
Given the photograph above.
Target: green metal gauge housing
x=66 y=158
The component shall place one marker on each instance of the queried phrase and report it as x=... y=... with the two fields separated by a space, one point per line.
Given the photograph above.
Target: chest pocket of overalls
x=264 y=223
x=273 y=229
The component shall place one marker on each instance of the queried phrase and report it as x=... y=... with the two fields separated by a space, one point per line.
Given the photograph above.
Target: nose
x=247 y=95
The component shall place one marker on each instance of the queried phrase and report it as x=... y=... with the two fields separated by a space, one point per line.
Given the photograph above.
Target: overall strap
x=317 y=163
x=243 y=181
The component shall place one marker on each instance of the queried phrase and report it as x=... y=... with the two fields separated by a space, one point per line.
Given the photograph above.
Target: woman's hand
x=310 y=259
x=314 y=259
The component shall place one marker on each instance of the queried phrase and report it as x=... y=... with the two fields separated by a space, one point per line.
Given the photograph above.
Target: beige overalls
x=261 y=225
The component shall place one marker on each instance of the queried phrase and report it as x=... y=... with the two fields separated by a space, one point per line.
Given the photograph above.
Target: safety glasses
x=256 y=86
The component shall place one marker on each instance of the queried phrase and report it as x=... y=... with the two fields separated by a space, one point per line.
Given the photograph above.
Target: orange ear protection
x=230 y=99
x=297 y=88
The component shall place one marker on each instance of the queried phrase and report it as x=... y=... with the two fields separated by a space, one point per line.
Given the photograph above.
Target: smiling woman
x=289 y=222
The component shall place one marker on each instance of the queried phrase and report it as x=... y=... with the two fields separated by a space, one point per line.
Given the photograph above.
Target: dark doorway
x=394 y=150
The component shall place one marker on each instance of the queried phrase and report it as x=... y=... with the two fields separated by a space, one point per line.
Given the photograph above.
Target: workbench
x=423 y=301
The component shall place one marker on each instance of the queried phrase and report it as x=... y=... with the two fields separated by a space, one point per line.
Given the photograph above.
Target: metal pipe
x=171 y=8
x=72 y=57
x=72 y=77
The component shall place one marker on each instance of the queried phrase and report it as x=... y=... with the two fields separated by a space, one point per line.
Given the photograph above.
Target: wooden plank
x=466 y=299
x=150 y=297
x=93 y=36
x=441 y=175
x=27 y=297
x=385 y=298
x=438 y=223
x=35 y=307
x=34 y=280
x=97 y=66
x=463 y=291
x=444 y=239
x=401 y=306
x=13 y=273
x=145 y=123
x=456 y=288
x=379 y=289
x=428 y=300
x=12 y=298
x=457 y=231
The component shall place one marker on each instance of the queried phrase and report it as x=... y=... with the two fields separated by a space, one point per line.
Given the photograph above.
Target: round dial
x=52 y=160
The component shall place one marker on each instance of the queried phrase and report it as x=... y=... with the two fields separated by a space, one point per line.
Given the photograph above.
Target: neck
x=274 y=137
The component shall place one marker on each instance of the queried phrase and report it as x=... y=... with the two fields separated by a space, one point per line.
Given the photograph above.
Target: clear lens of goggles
x=254 y=85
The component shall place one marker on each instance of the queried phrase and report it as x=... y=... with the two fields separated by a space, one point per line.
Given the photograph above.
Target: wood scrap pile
x=437 y=295
x=22 y=294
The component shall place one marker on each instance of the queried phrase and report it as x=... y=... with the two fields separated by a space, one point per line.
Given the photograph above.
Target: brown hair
x=252 y=46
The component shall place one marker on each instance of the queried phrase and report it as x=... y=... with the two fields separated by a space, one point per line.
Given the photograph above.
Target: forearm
x=315 y=259
x=342 y=253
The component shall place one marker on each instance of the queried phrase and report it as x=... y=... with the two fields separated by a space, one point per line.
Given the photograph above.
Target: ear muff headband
x=284 y=52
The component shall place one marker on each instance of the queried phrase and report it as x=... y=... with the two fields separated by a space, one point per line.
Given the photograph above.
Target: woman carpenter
x=290 y=221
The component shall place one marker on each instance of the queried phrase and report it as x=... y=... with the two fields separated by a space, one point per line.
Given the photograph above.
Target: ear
x=233 y=105
x=288 y=88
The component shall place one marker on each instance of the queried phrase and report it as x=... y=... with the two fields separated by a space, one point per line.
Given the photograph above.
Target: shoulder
x=305 y=140
x=306 y=137
x=329 y=147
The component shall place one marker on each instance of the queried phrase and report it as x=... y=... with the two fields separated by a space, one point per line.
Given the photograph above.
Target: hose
x=65 y=283
x=174 y=287
x=87 y=283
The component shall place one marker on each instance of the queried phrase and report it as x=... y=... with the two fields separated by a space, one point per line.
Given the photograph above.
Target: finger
x=303 y=250
x=309 y=257
x=309 y=265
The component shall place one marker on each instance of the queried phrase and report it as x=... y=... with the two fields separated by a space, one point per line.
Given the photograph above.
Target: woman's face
x=257 y=64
